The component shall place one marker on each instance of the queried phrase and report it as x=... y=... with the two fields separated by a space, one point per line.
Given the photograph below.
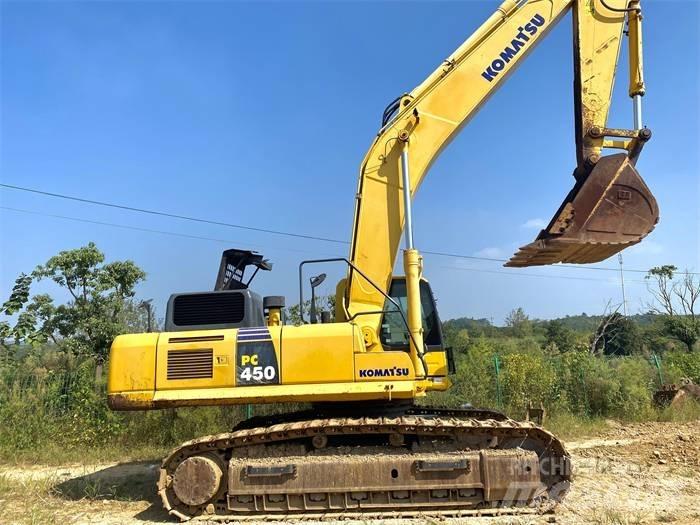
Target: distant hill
x=580 y=323
x=473 y=326
x=588 y=323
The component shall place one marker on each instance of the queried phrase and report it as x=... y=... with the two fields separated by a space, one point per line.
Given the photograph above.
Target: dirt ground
x=632 y=474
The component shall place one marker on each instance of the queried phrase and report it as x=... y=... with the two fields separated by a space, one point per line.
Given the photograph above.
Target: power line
x=229 y=241
x=560 y=265
x=526 y=274
x=167 y=214
x=622 y=283
x=279 y=232
x=147 y=230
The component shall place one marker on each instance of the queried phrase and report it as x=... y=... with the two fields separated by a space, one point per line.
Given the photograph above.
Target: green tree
x=100 y=308
x=476 y=327
x=677 y=301
x=558 y=334
x=327 y=303
x=461 y=340
x=519 y=323
x=18 y=297
x=619 y=336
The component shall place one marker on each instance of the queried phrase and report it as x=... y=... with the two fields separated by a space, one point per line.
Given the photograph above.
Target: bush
x=527 y=377
x=53 y=408
x=636 y=380
x=681 y=364
x=474 y=381
x=576 y=382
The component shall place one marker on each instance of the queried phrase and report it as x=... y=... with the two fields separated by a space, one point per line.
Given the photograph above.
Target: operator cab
x=394 y=333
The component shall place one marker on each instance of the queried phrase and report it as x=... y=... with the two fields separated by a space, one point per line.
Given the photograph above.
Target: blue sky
x=260 y=113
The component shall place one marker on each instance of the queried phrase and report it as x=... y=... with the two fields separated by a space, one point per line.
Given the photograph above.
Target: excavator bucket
x=606 y=212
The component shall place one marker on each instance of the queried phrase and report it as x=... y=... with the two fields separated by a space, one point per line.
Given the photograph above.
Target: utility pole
x=622 y=283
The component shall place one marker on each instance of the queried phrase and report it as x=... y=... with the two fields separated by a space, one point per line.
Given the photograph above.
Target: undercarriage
x=405 y=463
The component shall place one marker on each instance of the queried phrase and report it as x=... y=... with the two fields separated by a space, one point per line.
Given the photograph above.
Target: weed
x=567 y=426
x=615 y=517
x=5 y=485
x=56 y=416
x=38 y=514
x=683 y=412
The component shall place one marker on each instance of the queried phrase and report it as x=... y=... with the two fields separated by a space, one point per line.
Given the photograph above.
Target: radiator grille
x=190 y=364
x=208 y=309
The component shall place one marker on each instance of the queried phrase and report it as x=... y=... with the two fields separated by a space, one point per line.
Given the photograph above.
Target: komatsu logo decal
x=383 y=372
x=519 y=42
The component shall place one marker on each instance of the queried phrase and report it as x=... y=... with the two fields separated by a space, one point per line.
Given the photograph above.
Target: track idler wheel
x=197 y=480
x=607 y=211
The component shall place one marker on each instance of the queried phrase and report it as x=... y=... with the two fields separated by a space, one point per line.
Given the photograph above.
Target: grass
x=687 y=411
x=53 y=454
x=47 y=497
x=24 y=500
x=564 y=425
x=5 y=486
x=568 y=426
x=615 y=517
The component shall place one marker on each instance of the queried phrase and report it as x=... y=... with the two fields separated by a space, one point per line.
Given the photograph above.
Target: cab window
x=394 y=333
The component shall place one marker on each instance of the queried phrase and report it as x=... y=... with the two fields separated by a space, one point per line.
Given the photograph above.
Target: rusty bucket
x=606 y=212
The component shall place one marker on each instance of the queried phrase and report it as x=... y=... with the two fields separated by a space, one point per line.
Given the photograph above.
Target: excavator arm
x=609 y=208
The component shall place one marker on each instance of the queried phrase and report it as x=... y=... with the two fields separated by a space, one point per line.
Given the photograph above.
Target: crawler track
x=442 y=463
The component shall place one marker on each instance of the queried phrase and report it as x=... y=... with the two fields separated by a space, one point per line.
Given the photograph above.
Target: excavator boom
x=609 y=208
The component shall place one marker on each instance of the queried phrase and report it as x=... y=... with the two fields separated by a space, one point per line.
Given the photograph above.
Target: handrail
x=380 y=290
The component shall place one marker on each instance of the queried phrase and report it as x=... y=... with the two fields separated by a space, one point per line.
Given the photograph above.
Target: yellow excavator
x=364 y=448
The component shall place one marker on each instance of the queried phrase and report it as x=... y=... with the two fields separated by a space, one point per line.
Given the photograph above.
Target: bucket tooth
x=607 y=211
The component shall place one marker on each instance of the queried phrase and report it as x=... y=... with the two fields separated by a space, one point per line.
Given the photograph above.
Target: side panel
x=196 y=359
x=277 y=364
x=320 y=353
x=132 y=362
x=383 y=366
x=437 y=363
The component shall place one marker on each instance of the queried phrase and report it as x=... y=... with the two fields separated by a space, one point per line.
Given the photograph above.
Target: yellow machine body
x=156 y=370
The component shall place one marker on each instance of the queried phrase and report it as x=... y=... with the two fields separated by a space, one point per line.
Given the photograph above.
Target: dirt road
x=635 y=474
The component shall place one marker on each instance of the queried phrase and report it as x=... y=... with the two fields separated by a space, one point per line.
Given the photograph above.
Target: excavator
x=367 y=446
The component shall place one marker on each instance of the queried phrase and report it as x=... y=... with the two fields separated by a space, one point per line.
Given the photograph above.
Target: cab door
x=394 y=332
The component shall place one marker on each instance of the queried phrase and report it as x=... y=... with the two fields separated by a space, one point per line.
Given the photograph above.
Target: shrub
x=473 y=381
x=527 y=377
x=636 y=380
x=681 y=364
